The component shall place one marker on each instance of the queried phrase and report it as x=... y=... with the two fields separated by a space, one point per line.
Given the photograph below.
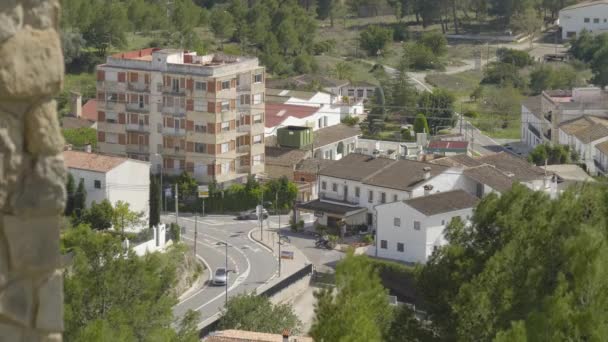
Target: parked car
x=220 y=277
x=252 y=215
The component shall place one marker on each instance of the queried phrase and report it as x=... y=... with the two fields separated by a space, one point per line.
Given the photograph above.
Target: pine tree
x=154 y=201
x=80 y=199
x=420 y=124
x=70 y=188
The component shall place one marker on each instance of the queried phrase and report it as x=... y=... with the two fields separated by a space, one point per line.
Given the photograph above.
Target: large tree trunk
x=454 y=16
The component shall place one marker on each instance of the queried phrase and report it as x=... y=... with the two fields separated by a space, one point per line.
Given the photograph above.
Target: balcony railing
x=243 y=169
x=142 y=87
x=174 y=91
x=178 y=132
x=137 y=107
x=243 y=149
x=243 y=128
x=174 y=151
x=339 y=199
x=174 y=111
x=547 y=134
x=109 y=104
x=137 y=148
x=138 y=128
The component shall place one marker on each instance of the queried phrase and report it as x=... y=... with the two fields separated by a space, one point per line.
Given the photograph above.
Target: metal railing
x=243 y=128
x=339 y=199
x=138 y=127
x=138 y=87
x=243 y=149
x=137 y=107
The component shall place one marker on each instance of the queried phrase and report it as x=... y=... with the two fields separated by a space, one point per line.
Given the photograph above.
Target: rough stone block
x=32 y=65
x=3 y=263
x=10 y=333
x=11 y=137
x=42 y=191
x=42 y=132
x=50 y=304
x=33 y=242
x=11 y=18
x=41 y=15
x=16 y=302
x=51 y=338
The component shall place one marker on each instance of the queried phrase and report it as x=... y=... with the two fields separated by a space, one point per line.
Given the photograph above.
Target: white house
x=410 y=230
x=583 y=135
x=601 y=158
x=588 y=15
x=327 y=103
x=279 y=115
x=112 y=178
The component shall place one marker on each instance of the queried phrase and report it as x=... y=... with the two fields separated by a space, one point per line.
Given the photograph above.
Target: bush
x=471 y=114
x=369 y=239
x=350 y=120
x=421 y=57
x=435 y=41
x=305 y=64
x=375 y=38
x=503 y=74
x=515 y=57
x=322 y=47
x=400 y=33
x=175 y=232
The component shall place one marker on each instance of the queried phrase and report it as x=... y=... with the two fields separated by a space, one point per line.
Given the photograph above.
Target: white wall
x=587 y=152
x=89 y=177
x=331 y=151
x=130 y=182
x=418 y=244
x=574 y=20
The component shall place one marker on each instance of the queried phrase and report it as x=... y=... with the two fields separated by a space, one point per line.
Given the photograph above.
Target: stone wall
x=32 y=173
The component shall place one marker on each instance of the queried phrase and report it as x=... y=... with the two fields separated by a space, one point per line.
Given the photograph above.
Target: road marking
x=255 y=250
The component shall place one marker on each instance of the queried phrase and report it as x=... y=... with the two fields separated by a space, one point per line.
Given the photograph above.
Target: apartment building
x=181 y=111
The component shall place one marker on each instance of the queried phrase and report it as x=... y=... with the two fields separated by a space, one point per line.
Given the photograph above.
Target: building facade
x=184 y=112
x=591 y=16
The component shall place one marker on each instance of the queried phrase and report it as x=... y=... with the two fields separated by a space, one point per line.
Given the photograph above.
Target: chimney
x=285 y=335
x=76 y=104
x=427 y=172
x=87 y=148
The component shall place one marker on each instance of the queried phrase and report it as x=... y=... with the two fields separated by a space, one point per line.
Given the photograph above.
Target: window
x=442 y=222
x=257 y=78
x=325 y=121
x=258 y=159
x=97 y=184
x=200 y=148
x=357 y=191
x=395 y=199
x=111 y=138
x=175 y=84
x=397 y=222
x=324 y=185
x=359 y=92
x=400 y=247
x=383 y=244
x=200 y=85
x=257 y=139
x=320 y=123
x=200 y=128
x=257 y=119
x=383 y=197
x=587 y=20
x=225 y=147
x=225 y=85
x=370 y=197
x=334 y=187
x=351 y=92
x=244 y=99
x=596 y=20
x=225 y=106
x=416 y=225
x=257 y=98
x=199 y=105
x=225 y=168
x=225 y=126
x=111 y=76
x=111 y=117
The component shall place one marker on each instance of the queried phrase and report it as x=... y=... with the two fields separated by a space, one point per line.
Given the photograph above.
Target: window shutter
x=101 y=116
x=189 y=125
x=218 y=86
x=232 y=104
x=146 y=99
x=211 y=86
x=121 y=118
x=182 y=144
x=133 y=77
x=218 y=108
x=211 y=127
x=101 y=96
x=211 y=107
x=146 y=140
x=146 y=78
x=121 y=139
x=233 y=83
x=218 y=169
x=232 y=145
x=146 y=120
x=218 y=148
x=169 y=163
x=247 y=119
x=101 y=75
x=182 y=123
x=101 y=136
x=121 y=98
x=170 y=122
x=210 y=169
x=190 y=84
x=232 y=166
x=189 y=104
x=182 y=82
x=232 y=124
x=167 y=81
x=133 y=118
x=211 y=149
x=218 y=127
x=189 y=146
x=121 y=77
x=190 y=166
x=247 y=139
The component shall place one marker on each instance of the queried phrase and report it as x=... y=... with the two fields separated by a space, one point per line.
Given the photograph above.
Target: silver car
x=220 y=277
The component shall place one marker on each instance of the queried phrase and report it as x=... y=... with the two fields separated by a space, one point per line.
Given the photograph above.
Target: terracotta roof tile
x=91 y=161
x=89 y=110
x=276 y=113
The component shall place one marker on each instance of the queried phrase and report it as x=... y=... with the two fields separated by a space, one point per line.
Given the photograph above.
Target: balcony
x=138 y=128
x=174 y=91
x=243 y=169
x=338 y=199
x=108 y=104
x=243 y=149
x=243 y=128
x=137 y=107
x=175 y=111
x=139 y=87
x=131 y=148
x=174 y=151
x=177 y=132
x=547 y=116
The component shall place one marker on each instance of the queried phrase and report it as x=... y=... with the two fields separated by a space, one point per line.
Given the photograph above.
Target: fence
x=269 y=292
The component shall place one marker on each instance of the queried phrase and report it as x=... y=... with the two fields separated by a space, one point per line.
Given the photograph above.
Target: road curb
x=262 y=244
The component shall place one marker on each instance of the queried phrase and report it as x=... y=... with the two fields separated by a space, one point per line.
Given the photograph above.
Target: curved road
x=250 y=264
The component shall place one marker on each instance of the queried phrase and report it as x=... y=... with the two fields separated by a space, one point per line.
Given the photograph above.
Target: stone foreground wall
x=32 y=173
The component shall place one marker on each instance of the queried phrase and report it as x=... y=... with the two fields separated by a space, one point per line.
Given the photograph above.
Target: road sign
x=287 y=255
x=203 y=191
x=168 y=192
x=258 y=210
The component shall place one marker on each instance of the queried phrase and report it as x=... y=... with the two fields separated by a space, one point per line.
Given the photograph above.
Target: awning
x=330 y=208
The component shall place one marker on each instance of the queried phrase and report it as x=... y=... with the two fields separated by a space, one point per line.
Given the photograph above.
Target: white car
x=220 y=277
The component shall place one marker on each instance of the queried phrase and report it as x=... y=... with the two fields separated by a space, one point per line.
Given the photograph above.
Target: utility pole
x=176 y=210
x=261 y=216
x=226 y=243
x=276 y=205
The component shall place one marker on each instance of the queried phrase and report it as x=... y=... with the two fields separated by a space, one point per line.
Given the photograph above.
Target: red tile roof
x=449 y=144
x=276 y=113
x=91 y=161
x=89 y=110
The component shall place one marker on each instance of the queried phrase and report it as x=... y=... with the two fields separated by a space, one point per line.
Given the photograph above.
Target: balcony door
x=345 y=193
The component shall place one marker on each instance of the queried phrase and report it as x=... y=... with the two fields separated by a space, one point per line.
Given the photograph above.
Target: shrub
x=375 y=38
x=350 y=120
x=400 y=33
x=175 y=232
x=515 y=57
x=421 y=57
x=471 y=114
x=369 y=239
x=435 y=41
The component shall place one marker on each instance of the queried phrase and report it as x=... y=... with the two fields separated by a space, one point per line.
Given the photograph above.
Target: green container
x=294 y=136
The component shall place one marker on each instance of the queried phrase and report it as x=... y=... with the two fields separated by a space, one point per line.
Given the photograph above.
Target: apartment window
x=225 y=126
x=111 y=117
x=257 y=119
x=97 y=184
x=200 y=85
x=168 y=100
x=200 y=169
x=351 y=92
x=395 y=199
x=257 y=139
x=225 y=106
x=225 y=168
x=257 y=98
x=400 y=247
x=370 y=197
x=416 y=225
x=383 y=244
x=357 y=191
x=258 y=159
x=257 y=78
x=320 y=122
x=360 y=92
x=244 y=99
x=225 y=147
x=111 y=76
x=324 y=185
x=587 y=20
x=334 y=187
x=596 y=20
x=397 y=222
x=225 y=85
x=383 y=197
x=175 y=84
x=199 y=105
x=111 y=138
x=200 y=148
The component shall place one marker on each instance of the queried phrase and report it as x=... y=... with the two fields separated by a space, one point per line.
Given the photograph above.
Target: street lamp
x=225 y=243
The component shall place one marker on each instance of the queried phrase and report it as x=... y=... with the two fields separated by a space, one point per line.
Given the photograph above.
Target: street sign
x=287 y=255
x=258 y=210
x=167 y=192
x=203 y=191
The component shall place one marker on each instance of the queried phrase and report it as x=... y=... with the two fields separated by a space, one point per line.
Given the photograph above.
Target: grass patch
x=490 y=123
x=461 y=84
x=361 y=70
